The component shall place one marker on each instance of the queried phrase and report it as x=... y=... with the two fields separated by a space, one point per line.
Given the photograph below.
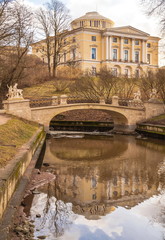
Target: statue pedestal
x=115 y=101
x=18 y=107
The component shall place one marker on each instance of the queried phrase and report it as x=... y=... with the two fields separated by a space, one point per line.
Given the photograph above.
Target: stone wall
x=14 y=170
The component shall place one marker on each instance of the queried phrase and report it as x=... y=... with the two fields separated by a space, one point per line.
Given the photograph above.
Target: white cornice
x=128 y=35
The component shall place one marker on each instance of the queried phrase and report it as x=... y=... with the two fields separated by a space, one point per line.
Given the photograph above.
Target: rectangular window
x=148 y=45
x=90 y=23
x=114 y=54
x=114 y=72
x=95 y=23
x=137 y=73
x=73 y=39
x=136 y=42
x=93 y=38
x=93 y=53
x=114 y=39
x=136 y=56
x=126 y=41
x=148 y=58
x=81 y=23
x=103 y=24
x=126 y=72
x=94 y=196
x=125 y=55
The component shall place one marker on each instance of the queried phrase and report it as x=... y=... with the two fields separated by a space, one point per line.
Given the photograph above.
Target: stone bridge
x=124 y=117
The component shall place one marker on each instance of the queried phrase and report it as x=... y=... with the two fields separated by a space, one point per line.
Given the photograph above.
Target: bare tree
x=54 y=21
x=59 y=17
x=157 y=8
x=160 y=80
x=44 y=25
x=6 y=23
x=93 y=87
x=14 y=54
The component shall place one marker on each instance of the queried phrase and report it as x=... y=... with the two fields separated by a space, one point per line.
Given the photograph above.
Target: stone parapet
x=20 y=108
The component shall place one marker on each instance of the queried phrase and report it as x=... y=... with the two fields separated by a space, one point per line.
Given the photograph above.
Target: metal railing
x=72 y=100
x=50 y=101
x=41 y=102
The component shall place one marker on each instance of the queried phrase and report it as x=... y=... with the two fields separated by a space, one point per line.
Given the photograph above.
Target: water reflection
x=93 y=178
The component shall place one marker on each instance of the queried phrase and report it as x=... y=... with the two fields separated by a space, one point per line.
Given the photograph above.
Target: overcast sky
x=122 y=12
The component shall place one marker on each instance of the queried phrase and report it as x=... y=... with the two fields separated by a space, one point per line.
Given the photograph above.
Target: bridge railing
x=74 y=99
x=64 y=99
x=40 y=102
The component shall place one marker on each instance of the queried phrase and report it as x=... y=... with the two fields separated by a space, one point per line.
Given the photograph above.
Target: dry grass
x=40 y=90
x=160 y=120
x=13 y=135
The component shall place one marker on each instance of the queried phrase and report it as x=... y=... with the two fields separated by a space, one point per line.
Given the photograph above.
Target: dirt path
x=4 y=118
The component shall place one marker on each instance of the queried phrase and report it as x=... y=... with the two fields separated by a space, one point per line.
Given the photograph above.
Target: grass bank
x=158 y=120
x=13 y=135
x=46 y=89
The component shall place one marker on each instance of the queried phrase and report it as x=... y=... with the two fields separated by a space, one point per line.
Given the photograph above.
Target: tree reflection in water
x=86 y=194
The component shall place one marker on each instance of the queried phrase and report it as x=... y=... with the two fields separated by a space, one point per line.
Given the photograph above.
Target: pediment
x=129 y=30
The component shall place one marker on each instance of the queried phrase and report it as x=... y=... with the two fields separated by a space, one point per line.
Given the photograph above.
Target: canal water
x=104 y=188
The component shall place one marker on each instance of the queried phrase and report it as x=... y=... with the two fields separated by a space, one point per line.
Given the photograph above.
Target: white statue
x=14 y=92
x=10 y=92
x=137 y=96
x=153 y=94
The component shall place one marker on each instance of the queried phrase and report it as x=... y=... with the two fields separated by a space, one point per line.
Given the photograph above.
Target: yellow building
x=97 y=43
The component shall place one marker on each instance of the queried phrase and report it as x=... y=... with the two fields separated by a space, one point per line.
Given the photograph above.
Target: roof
x=92 y=15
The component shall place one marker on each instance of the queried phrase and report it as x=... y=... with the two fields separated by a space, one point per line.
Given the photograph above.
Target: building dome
x=92 y=20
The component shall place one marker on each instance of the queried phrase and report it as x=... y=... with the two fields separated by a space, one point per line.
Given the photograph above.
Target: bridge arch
x=45 y=115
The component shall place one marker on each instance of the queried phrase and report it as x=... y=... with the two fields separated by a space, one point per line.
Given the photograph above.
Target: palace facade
x=97 y=43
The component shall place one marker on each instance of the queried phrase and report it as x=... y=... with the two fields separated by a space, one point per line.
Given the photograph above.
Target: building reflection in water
x=96 y=175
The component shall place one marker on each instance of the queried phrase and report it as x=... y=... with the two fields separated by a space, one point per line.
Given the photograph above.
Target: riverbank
x=21 y=142
x=14 y=132
x=154 y=127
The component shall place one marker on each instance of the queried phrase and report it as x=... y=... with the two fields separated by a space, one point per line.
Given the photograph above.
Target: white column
x=102 y=42
x=121 y=49
x=133 y=44
x=145 y=51
x=110 y=47
x=107 y=48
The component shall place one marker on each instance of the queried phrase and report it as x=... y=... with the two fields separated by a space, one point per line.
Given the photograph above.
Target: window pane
x=136 y=56
x=114 y=72
x=93 y=38
x=136 y=42
x=125 y=55
x=114 y=39
x=126 y=41
x=137 y=73
x=114 y=54
x=126 y=72
x=93 y=53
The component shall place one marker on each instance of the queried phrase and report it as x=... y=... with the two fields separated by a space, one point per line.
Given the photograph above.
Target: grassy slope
x=46 y=89
x=15 y=132
x=40 y=90
x=159 y=120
